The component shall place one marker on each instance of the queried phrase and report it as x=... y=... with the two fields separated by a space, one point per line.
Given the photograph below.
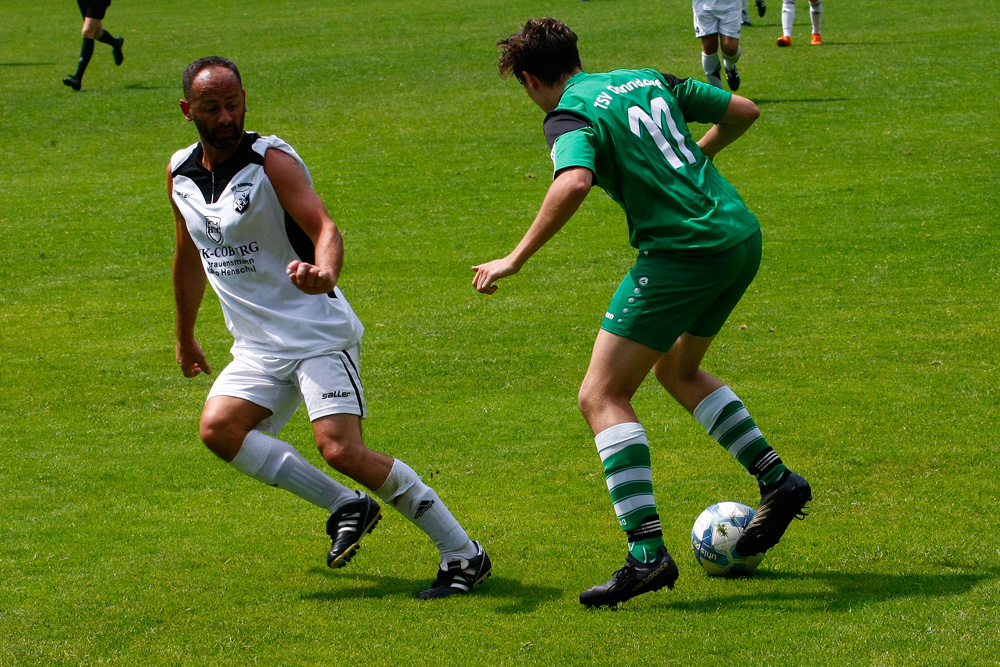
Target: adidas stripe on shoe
x=457 y=577
x=348 y=525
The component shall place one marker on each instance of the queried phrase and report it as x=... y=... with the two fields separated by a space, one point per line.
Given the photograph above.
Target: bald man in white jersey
x=249 y=223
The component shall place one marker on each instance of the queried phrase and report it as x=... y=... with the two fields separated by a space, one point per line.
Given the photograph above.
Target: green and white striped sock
x=628 y=472
x=725 y=418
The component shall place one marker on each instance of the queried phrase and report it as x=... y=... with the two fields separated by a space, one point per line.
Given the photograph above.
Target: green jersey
x=629 y=127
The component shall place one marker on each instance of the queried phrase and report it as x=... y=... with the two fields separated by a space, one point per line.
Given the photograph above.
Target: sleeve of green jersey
x=573 y=149
x=700 y=102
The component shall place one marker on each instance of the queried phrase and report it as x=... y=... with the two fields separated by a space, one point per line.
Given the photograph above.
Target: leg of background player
x=787 y=21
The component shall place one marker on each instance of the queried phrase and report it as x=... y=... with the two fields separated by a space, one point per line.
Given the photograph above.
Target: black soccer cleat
x=117 y=50
x=779 y=504
x=73 y=82
x=715 y=78
x=733 y=79
x=348 y=525
x=761 y=7
x=634 y=579
x=459 y=576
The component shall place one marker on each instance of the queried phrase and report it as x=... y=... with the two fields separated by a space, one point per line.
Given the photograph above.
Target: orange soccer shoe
x=816 y=39
x=784 y=40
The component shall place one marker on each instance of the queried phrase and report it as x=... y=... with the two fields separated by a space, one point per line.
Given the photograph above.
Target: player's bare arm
x=189 y=289
x=739 y=116
x=562 y=200
x=307 y=209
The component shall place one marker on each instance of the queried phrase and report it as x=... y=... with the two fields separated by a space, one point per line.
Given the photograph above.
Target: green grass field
x=866 y=349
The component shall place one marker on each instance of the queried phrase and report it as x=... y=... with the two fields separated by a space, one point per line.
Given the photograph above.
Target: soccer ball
x=714 y=538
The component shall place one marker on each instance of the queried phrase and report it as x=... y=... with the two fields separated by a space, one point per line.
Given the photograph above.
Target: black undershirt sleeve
x=559 y=122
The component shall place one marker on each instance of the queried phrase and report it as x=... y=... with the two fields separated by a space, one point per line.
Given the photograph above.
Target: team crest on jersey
x=241 y=194
x=213 y=227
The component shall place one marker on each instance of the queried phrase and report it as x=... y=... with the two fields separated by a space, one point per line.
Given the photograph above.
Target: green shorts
x=667 y=293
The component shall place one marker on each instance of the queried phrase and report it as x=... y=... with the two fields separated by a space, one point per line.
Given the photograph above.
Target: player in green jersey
x=699 y=248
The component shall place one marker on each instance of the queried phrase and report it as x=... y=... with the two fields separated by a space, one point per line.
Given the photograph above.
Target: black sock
x=108 y=39
x=85 y=53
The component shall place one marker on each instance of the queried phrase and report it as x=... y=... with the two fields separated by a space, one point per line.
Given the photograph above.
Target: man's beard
x=217 y=142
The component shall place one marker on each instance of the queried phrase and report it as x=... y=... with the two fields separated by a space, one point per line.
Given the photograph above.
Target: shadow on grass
x=841 y=592
x=759 y=102
x=517 y=598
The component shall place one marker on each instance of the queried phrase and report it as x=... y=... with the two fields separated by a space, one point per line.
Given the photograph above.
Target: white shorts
x=724 y=17
x=329 y=385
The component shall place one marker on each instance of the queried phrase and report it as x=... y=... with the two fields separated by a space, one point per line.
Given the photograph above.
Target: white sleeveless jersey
x=246 y=239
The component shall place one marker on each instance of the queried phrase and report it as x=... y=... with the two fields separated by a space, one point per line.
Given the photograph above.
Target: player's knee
x=338 y=452
x=672 y=376
x=339 y=440
x=91 y=30
x=589 y=400
x=220 y=437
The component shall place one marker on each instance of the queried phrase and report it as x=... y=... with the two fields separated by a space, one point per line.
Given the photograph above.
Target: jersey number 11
x=638 y=118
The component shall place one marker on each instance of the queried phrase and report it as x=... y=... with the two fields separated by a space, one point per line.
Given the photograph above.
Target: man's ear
x=186 y=109
x=531 y=81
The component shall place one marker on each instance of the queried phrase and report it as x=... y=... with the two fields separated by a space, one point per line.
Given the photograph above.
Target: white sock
x=711 y=406
x=710 y=63
x=276 y=463
x=787 y=17
x=731 y=61
x=816 y=15
x=418 y=502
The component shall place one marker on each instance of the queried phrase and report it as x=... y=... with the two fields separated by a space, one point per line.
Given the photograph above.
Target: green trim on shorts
x=667 y=293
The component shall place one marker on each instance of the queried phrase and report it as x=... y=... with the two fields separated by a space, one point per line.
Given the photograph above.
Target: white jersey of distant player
x=244 y=241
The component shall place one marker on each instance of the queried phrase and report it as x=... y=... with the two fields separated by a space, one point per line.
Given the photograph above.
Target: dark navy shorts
x=93 y=9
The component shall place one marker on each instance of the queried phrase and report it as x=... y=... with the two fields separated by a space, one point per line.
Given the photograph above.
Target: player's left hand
x=310 y=278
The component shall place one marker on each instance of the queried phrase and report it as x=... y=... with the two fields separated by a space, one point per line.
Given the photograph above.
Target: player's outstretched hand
x=192 y=360
x=490 y=272
x=310 y=278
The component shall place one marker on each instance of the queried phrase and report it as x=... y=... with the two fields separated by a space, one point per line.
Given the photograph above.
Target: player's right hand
x=490 y=272
x=192 y=360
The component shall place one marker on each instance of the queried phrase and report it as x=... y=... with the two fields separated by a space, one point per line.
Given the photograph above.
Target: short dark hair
x=544 y=47
x=197 y=66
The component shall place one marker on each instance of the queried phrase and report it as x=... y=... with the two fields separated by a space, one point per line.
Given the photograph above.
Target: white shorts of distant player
x=329 y=384
x=723 y=17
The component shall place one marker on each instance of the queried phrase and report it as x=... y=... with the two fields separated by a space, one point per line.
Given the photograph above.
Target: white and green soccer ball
x=714 y=538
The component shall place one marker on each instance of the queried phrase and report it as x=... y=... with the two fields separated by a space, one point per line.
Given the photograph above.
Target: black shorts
x=93 y=9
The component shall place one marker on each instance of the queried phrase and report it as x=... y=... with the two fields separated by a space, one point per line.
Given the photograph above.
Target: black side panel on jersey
x=213 y=183
x=559 y=122
x=301 y=243
x=672 y=80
